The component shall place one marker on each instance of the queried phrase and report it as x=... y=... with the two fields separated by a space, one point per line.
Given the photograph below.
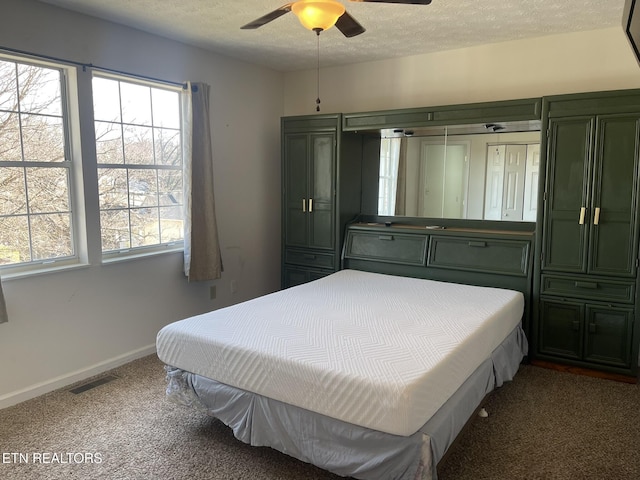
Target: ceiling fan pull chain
x=318 y=70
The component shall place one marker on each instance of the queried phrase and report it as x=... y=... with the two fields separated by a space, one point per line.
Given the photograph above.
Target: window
x=139 y=159
x=137 y=125
x=36 y=220
x=388 y=175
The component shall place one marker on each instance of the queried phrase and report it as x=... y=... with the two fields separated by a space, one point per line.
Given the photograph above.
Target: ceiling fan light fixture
x=318 y=15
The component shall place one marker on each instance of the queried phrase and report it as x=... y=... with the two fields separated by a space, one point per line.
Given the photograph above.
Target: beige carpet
x=543 y=425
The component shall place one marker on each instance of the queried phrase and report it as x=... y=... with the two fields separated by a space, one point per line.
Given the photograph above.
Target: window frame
x=158 y=248
x=72 y=164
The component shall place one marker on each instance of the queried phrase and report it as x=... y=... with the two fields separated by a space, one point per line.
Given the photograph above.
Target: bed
x=364 y=374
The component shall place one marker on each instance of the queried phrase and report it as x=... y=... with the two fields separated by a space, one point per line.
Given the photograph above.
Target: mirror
x=485 y=171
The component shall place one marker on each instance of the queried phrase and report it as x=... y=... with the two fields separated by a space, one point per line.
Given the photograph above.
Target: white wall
x=568 y=63
x=68 y=325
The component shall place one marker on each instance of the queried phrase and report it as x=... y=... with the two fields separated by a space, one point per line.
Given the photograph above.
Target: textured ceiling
x=392 y=30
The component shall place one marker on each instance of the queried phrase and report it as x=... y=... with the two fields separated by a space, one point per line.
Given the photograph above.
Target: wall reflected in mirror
x=484 y=171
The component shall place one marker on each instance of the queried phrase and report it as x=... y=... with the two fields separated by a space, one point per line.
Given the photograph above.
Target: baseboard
x=41 y=388
x=584 y=371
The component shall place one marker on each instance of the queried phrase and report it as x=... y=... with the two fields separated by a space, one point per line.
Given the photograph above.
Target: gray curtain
x=202 y=253
x=401 y=183
x=3 y=307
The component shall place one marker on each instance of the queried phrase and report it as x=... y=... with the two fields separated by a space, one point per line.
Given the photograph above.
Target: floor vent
x=93 y=384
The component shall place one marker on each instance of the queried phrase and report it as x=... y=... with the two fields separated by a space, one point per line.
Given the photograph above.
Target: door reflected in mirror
x=484 y=172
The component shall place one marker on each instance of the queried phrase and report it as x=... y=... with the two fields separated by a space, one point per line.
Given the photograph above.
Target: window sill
x=125 y=257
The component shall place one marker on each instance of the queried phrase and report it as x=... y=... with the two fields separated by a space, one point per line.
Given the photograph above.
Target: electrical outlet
x=233 y=286
x=212 y=292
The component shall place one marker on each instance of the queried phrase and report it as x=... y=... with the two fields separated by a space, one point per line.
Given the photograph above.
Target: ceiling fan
x=319 y=15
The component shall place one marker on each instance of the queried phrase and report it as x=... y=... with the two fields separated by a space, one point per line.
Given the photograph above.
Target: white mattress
x=379 y=351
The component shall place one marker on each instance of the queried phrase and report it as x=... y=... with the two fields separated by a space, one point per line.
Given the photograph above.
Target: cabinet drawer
x=590 y=289
x=480 y=254
x=390 y=247
x=294 y=275
x=309 y=258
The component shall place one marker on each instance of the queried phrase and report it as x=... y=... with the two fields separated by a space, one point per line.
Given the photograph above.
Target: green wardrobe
x=321 y=180
x=588 y=260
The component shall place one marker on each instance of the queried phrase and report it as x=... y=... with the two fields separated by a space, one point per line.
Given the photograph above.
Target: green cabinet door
x=608 y=335
x=321 y=190
x=591 y=205
x=597 y=334
x=561 y=329
x=613 y=209
x=309 y=173
x=565 y=231
x=296 y=172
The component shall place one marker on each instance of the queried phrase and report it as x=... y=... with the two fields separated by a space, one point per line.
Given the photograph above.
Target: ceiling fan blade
x=258 y=22
x=349 y=26
x=408 y=2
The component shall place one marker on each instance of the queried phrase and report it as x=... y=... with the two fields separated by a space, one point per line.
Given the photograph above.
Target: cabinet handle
x=477 y=244
x=309 y=256
x=385 y=237
x=310 y=205
x=591 y=285
x=596 y=216
x=593 y=327
x=304 y=205
x=576 y=325
x=583 y=211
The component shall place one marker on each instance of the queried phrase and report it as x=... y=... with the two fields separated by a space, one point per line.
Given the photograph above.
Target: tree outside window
x=139 y=155
x=36 y=221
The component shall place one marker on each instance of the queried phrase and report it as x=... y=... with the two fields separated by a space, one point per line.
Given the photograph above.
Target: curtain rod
x=90 y=65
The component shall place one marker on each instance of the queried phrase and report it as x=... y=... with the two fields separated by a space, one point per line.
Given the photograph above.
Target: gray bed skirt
x=343 y=448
